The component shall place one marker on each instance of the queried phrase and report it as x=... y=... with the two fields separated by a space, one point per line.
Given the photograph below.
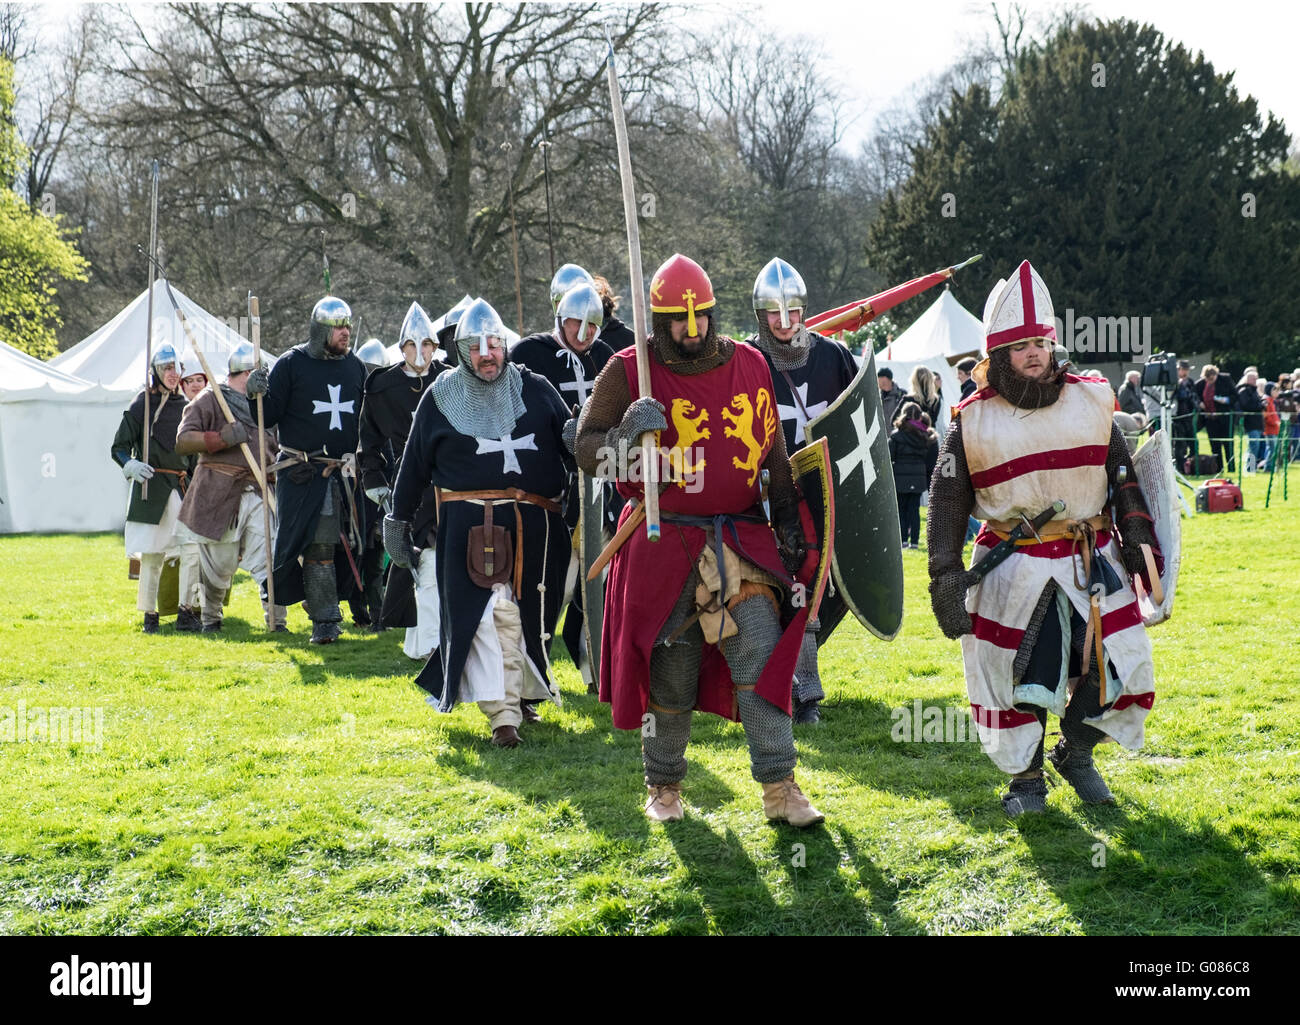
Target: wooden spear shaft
x=255 y=332
x=148 y=331
x=649 y=455
x=221 y=399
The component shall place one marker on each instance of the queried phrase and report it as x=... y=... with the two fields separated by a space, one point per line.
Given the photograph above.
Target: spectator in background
x=1251 y=405
x=1183 y=428
x=926 y=392
x=913 y=449
x=1287 y=401
x=891 y=396
x=1272 y=422
x=964 y=368
x=1130 y=396
x=1215 y=396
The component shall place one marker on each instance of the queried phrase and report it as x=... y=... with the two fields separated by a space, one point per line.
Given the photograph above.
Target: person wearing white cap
x=1056 y=626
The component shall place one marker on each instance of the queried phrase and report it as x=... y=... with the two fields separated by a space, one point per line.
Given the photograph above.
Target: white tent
x=945 y=329
x=113 y=356
x=55 y=430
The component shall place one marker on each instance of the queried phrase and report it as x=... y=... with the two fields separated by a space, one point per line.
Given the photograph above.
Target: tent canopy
x=946 y=329
x=113 y=356
x=55 y=430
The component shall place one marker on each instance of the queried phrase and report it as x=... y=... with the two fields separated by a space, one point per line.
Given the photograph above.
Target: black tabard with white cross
x=570 y=374
x=819 y=382
x=316 y=402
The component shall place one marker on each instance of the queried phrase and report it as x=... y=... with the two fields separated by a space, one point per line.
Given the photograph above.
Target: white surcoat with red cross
x=1021 y=461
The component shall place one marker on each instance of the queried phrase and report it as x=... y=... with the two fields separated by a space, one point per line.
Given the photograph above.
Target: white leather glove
x=137 y=471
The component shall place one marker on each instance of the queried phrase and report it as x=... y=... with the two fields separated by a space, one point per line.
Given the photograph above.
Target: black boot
x=150 y=623
x=325 y=632
x=187 y=620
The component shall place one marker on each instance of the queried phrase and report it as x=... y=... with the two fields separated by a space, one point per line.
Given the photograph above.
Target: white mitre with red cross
x=1018 y=308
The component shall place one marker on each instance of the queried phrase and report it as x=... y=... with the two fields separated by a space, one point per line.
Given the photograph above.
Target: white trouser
x=510 y=635
x=243 y=544
x=422 y=638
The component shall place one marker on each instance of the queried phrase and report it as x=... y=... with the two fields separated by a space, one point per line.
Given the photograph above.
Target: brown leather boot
x=783 y=800
x=664 y=803
x=530 y=712
x=506 y=736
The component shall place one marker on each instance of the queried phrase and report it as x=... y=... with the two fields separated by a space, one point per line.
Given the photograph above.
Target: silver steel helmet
x=326 y=315
x=581 y=303
x=163 y=356
x=415 y=329
x=373 y=353
x=565 y=278
x=779 y=287
x=244 y=357
x=476 y=325
x=445 y=327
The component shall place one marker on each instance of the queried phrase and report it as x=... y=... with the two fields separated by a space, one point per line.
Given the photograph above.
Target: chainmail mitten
x=948 y=600
x=570 y=433
x=258 y=381
x=643 y=415
x=397 y=542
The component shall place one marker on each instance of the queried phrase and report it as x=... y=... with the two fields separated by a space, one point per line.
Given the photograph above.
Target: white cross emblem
x=795 y=412
x=333 y=407
x=580 y=386
x=507 y=446
x=862 y=451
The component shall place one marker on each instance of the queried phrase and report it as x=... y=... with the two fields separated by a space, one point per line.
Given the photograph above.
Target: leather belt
x=514 y=495
x=1054 y=530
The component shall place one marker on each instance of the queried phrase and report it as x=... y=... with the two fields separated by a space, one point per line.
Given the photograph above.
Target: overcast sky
x=880 y=51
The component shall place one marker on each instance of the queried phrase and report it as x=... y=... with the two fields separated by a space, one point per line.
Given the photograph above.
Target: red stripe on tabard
x=988 y=392
x=1121 y=619
x=1058 y=549
x=995 y=633
x=1145 y=700
x=1052 y=459
x=1001 y=718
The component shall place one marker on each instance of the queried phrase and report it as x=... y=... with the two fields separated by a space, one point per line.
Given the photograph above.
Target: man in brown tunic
x=222 y=510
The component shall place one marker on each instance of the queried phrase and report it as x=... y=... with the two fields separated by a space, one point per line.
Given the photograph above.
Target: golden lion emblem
x=689 y=432
x=742 y=421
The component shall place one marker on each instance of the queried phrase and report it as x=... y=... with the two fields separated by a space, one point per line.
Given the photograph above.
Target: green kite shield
x=867 y=565
x=591 y=539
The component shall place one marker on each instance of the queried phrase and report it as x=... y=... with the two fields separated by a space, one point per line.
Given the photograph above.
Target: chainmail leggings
x=674 y=688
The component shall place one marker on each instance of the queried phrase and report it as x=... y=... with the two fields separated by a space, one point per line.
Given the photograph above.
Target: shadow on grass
x=1153 y=874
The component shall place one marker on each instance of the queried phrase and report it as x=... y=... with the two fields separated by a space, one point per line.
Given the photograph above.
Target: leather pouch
x=490 y=557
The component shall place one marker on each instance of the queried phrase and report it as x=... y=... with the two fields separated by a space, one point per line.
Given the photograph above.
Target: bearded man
x=314 y=396
x=809 y=372
x=222 y=512
x=1056 y=627
x=489 y=437
x=702 y=619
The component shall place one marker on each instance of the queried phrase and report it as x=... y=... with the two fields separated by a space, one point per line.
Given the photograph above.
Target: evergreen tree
x=1135 y=179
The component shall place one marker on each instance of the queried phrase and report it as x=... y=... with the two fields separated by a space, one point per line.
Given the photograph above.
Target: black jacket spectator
x=1250 y=403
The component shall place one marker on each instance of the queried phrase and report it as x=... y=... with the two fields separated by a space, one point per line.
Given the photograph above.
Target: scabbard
x=617 y=541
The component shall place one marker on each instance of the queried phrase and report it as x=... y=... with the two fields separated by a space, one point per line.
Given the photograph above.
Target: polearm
x=255 y=333
x=649 y=457
x=216 y=391
x=514 y=238
x=545 y=145
x=854 y=315
x=148 y=331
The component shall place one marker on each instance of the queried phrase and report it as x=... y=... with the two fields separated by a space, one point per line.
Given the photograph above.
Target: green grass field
x=248 y=785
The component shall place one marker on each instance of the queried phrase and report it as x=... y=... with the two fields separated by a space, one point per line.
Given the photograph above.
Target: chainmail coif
x=478 y=408
x=789 y=355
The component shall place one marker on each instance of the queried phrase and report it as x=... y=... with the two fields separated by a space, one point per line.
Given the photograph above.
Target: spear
x=255 y=330
x=325 y=261
x=649 y=459
x=544 y=146
x=514 y=238
x=854 y=315
x=148 y=331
